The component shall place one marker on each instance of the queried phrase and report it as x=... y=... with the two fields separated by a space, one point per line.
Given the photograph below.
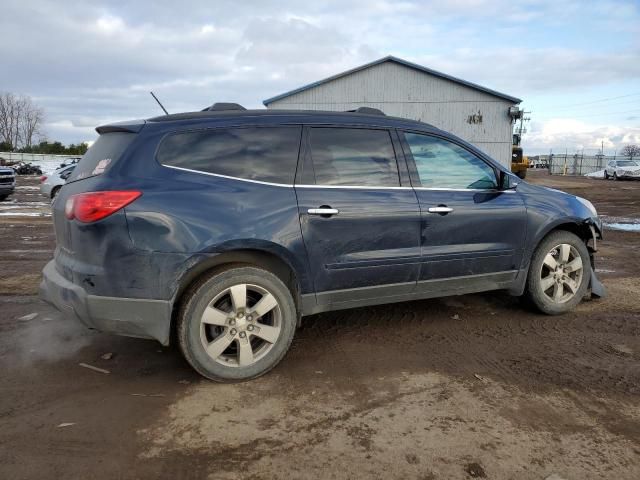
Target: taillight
x=93 y=206
x=43 y=178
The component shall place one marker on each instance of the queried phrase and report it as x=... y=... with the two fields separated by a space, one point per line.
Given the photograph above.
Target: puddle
x=24 y=214
x=625 y=224
x=625 y=227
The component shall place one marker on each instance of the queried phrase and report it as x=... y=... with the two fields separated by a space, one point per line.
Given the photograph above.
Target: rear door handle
x=325 y=211
x=441 y=209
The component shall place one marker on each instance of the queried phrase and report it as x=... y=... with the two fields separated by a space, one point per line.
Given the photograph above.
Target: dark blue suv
x=222 y=228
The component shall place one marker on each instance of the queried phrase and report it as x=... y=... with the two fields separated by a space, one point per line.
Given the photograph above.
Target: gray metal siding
x=405 y=92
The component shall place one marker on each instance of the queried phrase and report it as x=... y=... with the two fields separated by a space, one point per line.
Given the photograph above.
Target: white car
x=50 y=184
x=618 y=169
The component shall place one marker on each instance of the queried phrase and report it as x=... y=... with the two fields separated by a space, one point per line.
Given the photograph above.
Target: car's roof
x=289 y=116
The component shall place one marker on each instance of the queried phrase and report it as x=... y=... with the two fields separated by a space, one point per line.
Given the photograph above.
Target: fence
x=35 y=157
x=576 y=164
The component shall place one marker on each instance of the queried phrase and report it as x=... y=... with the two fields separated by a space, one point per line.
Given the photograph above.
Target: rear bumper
x=131 y=317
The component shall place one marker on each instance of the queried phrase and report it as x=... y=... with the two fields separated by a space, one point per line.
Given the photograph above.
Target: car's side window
x=353 y=156
x=443 y=164
x=267 y=154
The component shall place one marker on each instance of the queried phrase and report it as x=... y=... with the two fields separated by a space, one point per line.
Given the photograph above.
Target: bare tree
x=31 y=124
x=20 y=120
x=630 y=151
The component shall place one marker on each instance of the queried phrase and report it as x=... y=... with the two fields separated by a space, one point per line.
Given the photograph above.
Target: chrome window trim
x=350 y=187
x=228 y=176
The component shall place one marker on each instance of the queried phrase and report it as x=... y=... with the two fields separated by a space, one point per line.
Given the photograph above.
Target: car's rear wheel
x=559 y=273
x=3 y=198
x=54 y=192
x=606 y=175
x=237 y=324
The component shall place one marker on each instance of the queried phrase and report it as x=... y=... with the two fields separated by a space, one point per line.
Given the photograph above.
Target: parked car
x=50 y=185
x=7 y=182
x=619 y=169
x=227 y=226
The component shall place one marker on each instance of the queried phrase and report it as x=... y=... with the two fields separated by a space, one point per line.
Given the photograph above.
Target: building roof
x=399 y=61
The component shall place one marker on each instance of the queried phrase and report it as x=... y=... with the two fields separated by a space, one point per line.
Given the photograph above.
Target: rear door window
x=267 y=154
x=104 y=152
x=353 y=157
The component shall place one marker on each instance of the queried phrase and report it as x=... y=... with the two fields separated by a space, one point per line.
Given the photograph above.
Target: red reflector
x=43 y=178
x=93 y=206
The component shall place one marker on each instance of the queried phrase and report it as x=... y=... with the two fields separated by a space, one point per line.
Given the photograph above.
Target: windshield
x=627 y=163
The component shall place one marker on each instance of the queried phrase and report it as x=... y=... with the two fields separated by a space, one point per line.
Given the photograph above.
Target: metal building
x=477 y=114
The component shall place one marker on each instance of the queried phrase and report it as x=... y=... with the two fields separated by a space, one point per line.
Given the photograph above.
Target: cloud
x=559 y=134
x=89 y=62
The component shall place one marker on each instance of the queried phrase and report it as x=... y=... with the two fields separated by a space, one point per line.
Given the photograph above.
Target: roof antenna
x=161 y=106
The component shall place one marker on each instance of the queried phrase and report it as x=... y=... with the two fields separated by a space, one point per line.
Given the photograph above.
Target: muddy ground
x=456 y=388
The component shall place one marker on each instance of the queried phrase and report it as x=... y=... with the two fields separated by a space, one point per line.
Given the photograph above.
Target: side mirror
x=506 y=181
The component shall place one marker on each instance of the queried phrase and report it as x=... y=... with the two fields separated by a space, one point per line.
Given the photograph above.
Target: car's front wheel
x=606 y=175
x=559 y=273
x=237 y=324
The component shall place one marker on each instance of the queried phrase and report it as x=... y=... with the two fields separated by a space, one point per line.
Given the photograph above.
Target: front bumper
x=131 y=317
x=7 y=189
x=596 y=288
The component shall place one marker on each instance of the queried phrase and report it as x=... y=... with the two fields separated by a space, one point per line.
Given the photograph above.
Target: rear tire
x=54 y=192
x=3 y=198
x=236 y=324
x=606 y=175
x=559 y=273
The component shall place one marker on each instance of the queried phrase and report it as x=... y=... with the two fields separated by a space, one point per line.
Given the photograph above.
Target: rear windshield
x=102 y=155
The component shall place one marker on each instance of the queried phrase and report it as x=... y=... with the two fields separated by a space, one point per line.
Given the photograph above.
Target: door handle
x=324 y=211
x=441 y=209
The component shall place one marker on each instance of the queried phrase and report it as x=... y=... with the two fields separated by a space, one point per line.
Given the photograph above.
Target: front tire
x=237 y=324
x=615 y=176
x=606 y=175
x=559 y=273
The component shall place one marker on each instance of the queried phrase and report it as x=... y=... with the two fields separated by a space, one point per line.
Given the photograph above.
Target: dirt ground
x=463 y=387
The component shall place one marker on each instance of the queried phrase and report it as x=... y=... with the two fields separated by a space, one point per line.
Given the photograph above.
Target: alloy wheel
x=561 y=273
x=240 y=325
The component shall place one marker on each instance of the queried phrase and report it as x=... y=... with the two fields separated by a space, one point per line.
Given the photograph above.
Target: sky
x=575 y=64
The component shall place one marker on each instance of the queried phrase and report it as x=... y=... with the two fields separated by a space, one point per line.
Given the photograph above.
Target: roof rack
x=368 y=111
x=222 y=106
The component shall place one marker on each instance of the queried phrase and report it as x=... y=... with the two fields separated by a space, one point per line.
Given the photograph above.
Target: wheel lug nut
x=242 y=334
x=250 y=328
x=249 y=317
x=232 y=322
x=233 y=331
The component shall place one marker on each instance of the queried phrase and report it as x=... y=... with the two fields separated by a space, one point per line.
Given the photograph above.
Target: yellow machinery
x=519 y=163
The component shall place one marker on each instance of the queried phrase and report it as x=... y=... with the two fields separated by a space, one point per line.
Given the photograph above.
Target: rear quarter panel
x=201 y=215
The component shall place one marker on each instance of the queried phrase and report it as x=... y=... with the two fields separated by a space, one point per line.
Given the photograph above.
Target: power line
x=604 y=105
x=600 y=100
x=604 y=114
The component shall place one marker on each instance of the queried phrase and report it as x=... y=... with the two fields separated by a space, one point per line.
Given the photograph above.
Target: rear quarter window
x=267 y=154
x=102 y=155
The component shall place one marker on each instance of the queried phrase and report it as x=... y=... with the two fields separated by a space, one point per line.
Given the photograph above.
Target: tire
x=3 y=198
x=615 y=176
x=606 y=175
x=234 y=327
x=54 y=192
x=541 y=275
x=522 y=174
